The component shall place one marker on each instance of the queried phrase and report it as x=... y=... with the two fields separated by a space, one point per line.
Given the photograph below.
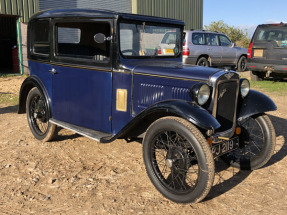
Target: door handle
x=53 y=71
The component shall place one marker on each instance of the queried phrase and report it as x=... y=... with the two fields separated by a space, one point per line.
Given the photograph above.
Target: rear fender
x=27 y=85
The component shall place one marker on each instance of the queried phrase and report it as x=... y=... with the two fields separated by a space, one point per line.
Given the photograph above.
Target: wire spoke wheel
x=178 y=160
x=174 y=161
x=256 y=143
x=38 y=116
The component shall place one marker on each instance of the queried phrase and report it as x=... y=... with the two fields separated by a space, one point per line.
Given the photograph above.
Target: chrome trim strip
x=72 y=65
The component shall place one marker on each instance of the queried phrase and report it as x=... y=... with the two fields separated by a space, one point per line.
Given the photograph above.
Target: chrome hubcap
x=168 y=163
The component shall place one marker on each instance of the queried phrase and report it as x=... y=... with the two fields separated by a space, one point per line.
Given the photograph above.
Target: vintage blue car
x=100 y=74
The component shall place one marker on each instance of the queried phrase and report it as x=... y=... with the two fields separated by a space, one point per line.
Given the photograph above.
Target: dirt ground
x=76 y=175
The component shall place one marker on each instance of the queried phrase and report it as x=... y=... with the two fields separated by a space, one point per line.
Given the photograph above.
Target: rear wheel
x=202 y=62
x=178 y=160
x=38 y=116
x=241 y=65
x=257 y=143
x=256 y=76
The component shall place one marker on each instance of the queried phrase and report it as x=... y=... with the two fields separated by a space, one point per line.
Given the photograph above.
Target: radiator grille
x=226 y=101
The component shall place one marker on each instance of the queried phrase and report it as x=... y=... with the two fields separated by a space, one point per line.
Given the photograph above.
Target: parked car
x=267 y=53
x=206 y=48
x=96 y=73
x=167 y=44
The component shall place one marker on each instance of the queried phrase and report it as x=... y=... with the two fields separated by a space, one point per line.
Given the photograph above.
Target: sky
x=245 y=14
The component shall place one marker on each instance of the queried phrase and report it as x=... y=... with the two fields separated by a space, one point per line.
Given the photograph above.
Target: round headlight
x=200 y=93
x=203 y=94
x=244 y=87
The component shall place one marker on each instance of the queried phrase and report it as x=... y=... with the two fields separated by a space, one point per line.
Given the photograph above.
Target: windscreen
x=146 y=40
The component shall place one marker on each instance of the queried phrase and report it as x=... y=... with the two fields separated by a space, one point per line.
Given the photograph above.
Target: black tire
x=242 y=64
x=257 y=144
x=38 y=116
x=178 y=160
x=202 y=62
x=256 y=76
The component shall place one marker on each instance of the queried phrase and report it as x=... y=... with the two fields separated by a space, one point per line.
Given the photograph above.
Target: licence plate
x=258 y=52
x=169 y=51
x=224 y=147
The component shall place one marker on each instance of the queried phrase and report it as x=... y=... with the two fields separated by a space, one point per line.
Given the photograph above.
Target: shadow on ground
x=227 y=177
x=280 y=126
x=9 y=109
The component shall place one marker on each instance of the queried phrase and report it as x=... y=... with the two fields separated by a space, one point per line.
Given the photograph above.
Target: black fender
x=255 y=103
x=187 y=110
x=27 y=85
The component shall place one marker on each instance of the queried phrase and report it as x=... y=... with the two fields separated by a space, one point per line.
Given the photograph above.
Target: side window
x=76 y=40
x=213 y=40
x=224 y=41
x=198 y=39
x=40 y=38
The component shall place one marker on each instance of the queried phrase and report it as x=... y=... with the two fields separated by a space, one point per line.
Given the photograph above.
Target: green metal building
x=190 y=11
x=14 y=15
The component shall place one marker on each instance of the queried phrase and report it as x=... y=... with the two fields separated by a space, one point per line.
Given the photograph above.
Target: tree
x=235 y=34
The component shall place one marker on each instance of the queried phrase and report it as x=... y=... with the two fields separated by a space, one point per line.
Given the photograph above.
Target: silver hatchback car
x=206 y=48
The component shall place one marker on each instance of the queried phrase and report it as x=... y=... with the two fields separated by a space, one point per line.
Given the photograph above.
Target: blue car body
x=85 y=94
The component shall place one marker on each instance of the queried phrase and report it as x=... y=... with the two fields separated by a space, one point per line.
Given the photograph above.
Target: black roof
x=91 y=13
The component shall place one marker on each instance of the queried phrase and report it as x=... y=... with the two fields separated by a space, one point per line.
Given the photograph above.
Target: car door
x=82 y=74
x=228 y=51
x=214 y=49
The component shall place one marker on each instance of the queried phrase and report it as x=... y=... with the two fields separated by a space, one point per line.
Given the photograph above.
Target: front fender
x=255 y=103
x=187 y=110
x=27 y=85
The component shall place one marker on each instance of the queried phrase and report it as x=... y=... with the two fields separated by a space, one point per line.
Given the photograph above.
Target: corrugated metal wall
x=22 y=8
x=190 y=11
x=115 y=5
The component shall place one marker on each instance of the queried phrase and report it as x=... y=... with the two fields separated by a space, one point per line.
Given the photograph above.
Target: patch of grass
x=270 y=86
x=9 y=99
x=8 y=75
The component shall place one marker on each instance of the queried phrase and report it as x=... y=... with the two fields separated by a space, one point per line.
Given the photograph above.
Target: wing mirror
x=101 y=38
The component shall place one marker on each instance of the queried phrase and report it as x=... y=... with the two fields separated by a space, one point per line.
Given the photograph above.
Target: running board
x=90 y=133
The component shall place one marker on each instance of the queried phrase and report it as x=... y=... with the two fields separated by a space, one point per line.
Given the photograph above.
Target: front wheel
x=178 y=160
x=38 y=116
x=256 y=145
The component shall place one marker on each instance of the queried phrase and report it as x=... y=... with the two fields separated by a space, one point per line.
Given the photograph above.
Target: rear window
x=169 y=38
x=276 y=35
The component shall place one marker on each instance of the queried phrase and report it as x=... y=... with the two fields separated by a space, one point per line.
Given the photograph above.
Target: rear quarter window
x=198 y=39
x=40 y=38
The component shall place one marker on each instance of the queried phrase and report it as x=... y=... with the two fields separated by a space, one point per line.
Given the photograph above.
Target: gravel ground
x=76 y=175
